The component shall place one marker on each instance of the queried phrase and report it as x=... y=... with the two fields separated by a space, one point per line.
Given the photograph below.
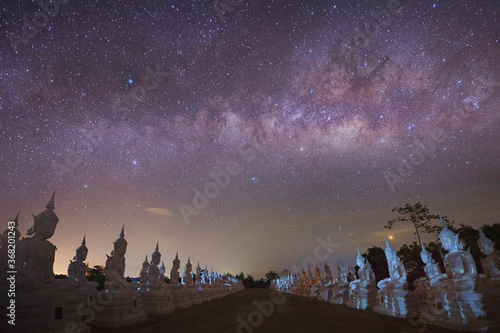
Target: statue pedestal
x=314 y=290
x=456 y=310
x=44 y=311
x=306 y=290
x=362 y=297
x=158 y=301
x=217 y=290
x=119 y=308
x=325 y=293
x=193 y=293
x=204 y=292
x=340 y=293
x=209 y=290
x=180 y=296
x=490 y=289
x=393 y=302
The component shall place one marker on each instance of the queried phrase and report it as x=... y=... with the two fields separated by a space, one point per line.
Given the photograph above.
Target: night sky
x=311 y=116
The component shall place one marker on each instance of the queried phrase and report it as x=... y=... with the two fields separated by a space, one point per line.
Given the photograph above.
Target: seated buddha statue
x=153 y=272
x=397 y=271
x=433 y=274
x=365 y=274
x=459 y=264
x=491 y=261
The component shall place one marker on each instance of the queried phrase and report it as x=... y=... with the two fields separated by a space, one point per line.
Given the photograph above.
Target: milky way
x=240 y=132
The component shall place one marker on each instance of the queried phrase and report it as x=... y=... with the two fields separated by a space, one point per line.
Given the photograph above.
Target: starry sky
x=244 y=133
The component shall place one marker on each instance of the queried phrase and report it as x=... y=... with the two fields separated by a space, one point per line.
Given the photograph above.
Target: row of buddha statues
x=46 y=304
x=458 y=299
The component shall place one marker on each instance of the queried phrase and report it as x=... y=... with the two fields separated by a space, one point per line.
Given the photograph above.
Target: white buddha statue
x=77 y=269
x=35 y=255
x=212 y=277
x=433 y=274
x=154 y=279
x=351 y=273
x=198 y=273
x=459 y=264
x=491 y=261
x=174 y=272
x=365 y=274
x=162 y=271
x=328 y=274
x=204 y=277
x=317 y=275
x=397 y=271
x=115 y=266
x=309 y=276
x=188 y=276
x=143 y=275
x=341 y=271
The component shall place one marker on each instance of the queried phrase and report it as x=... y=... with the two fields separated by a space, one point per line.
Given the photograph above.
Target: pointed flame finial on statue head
x=16 y=220
x=121 y=240
x=83 y=247
x=176 y=260
x=156 y=253
x=47 y=216
x=445 y=232
x=50 y=204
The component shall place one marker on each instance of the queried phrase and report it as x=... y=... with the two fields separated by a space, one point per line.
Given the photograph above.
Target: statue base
x=158 y=301
x=204 y=293
x=340 y=293
x=456 y=310
x=394 y=303
x=180 y=296
x=119 y=308
x=325 y=293
x=194 y=294
x=362 y=298
x=44 y=311
x=490 y=289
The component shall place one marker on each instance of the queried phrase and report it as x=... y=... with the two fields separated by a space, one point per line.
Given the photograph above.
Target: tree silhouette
x=249 y=282
x=419 y=215
x=96 y=274
x=376 y=257
x=271 y=275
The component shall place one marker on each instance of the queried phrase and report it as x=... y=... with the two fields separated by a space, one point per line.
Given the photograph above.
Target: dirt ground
x=237 y=313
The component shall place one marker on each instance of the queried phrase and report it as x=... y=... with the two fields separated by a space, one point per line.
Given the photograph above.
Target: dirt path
x=287 y=314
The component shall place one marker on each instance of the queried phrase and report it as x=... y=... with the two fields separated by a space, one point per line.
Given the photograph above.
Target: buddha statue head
x=426 y=256
x=360 y=260
x=449 y=239
x=81 y=252
x=156 y=256
x=162 y=268
x=485 y=244
x=45 y=223
x=145 y=264
x=176 y=262
x=189 y=267
x=120 y=245
x=390 y=252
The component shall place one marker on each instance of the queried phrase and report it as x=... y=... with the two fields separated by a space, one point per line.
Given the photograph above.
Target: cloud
x=160 y=211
